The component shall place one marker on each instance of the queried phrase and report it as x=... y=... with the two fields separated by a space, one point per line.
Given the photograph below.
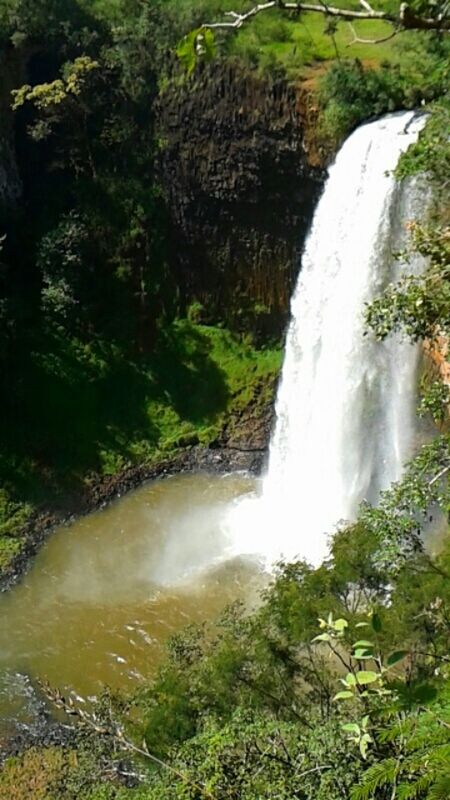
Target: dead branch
x=439 y=475
x=406 y=19
x=357 y=40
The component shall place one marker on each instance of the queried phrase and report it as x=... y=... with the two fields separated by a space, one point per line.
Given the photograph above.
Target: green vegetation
x=297 y=46
x=101 y=366
x=337 y=686
x=122 y=410
x=350 y=92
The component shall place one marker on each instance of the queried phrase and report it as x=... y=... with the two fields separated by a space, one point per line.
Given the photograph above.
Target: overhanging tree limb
x=358 y=40
x=406 y=19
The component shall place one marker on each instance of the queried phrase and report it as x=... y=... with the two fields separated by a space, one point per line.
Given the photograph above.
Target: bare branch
x=314 y=769
x=357 y=40
x=406 y=19
x=240 y=19
x=365 y=5
x=439 y=475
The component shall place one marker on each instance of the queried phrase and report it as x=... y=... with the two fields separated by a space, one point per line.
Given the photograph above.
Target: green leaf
x=349 y=680
x=198 y=44
x=363 y=643
x=364 y=744
x=362 y=653
x=206 y=43
x=340 y=625
x=376 y=623
x=394 y=658
x=187 y=50
x=351 y=727
x=322 y=637
x=363 y=677
x=362 y=625
x=346 y=695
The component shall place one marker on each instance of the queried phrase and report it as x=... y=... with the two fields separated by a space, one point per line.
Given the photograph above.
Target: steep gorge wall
x=241 y=192
x=241 y=177
x=11 y=73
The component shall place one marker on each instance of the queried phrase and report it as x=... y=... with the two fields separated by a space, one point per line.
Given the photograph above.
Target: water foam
x=345 y=407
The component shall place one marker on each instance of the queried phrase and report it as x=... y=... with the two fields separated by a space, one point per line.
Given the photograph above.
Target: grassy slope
x=93 y=410
x=299 y=46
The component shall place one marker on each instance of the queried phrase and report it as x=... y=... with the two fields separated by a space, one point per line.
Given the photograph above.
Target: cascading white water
x=345 y=407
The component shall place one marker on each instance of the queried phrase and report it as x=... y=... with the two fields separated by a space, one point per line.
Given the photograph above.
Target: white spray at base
x=346 y=403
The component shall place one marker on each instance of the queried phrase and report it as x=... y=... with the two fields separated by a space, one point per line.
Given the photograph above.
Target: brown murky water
x=105 y=593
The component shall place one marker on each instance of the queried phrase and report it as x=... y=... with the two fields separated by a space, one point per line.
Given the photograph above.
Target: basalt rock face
x=241 y=193
x=11 y=69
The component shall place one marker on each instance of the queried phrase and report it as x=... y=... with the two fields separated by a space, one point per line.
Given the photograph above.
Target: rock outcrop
x=10 y=77
x=241 y=192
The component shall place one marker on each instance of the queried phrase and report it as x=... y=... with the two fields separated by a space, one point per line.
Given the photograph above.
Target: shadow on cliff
x=186 y=375
x=85 y=409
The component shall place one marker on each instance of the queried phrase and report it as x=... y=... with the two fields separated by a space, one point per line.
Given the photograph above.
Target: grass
x=278 y=41
x=92 y=410
x=297 y=46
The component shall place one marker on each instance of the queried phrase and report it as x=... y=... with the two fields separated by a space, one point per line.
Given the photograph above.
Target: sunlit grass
x=298 y=45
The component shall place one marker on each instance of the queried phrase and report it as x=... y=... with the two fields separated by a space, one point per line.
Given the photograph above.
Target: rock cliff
x=241 y=176
x=10 y=183
x=241 y=192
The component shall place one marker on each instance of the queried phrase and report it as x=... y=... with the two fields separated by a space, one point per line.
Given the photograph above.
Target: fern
x=412 y=791
x=381 y=774
x=423 y=770
x=441 y=788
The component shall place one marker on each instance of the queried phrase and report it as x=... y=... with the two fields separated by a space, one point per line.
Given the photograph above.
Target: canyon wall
x=10 y=77
x=241 y=191
x=241 y=177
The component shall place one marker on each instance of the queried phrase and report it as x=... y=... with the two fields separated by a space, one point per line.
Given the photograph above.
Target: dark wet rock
x=36 y=726
x=241 y=190
x=11 y=76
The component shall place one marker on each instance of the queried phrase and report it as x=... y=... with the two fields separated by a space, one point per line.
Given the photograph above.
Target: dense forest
x=113 y=354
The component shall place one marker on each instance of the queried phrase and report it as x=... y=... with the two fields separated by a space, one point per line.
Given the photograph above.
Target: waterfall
x=346 y=406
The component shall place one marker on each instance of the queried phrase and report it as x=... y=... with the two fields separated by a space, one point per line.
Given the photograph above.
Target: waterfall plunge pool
x=106 y=592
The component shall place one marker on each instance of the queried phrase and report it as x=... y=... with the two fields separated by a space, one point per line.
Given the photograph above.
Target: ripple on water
x=105 y=593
